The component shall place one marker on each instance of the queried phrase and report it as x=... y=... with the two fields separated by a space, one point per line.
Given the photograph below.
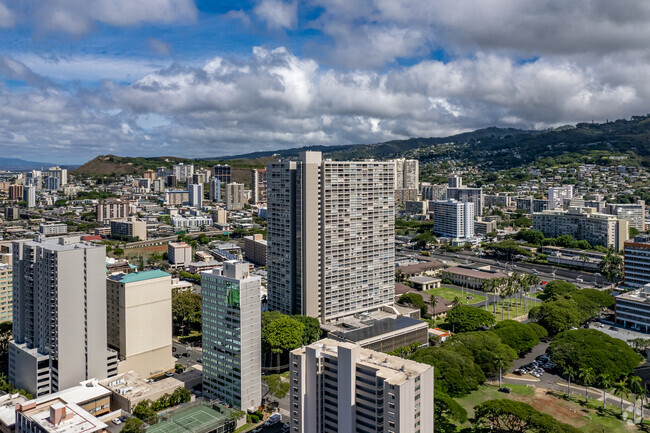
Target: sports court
x=197 y=419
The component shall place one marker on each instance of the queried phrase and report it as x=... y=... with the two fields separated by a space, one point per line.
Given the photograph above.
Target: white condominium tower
x=453 y=219
x=59 y=326
x=557 y=194
x=331 y=241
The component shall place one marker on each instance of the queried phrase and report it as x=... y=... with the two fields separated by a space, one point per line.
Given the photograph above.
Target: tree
x=276 y=386
x=570 y=373
x=133 y=425
x=423 y=240
x=517 y=335
x=612 y=266
x=312 y=330
x=281 y=333
x=144 y=410
x=414 y=300
x=464 y=318
x=605 y=382
x=621 y=389
x=5 y=336
x=509 y=416
x=635 y=387
x=186 y=310
x=486 y=349
x=455 y=373
x=446 y=413
x=586 y=374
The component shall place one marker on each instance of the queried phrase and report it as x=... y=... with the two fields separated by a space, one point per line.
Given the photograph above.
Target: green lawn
x=450 y=294
x=589 y=418
x=518 y=308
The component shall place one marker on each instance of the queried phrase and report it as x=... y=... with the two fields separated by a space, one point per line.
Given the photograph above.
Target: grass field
x=589 y=418
x=517 y=309
x=449 y=294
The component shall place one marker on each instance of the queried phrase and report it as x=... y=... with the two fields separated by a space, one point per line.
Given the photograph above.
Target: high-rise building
x=195 y=192
x=215 y=189
x=232 y=368
x=338 y=387
x=235 y=198
x=465 y=194
x=139 y=319
x=6 y=292
x=52 y=183
x=60 y=173
x=557 y=194
x=453 y=219
x=255 y=248
x=129 y=229
x=59 y=326
x=15 y=192
x=583 y=224
x=637 y=261
x=407 y=175
x=179 y=254
x=259 y=185
x=183 y=172
x=634 y=213
x=171 y=181
x=29 y=196
x=331 y=250
x=223 y=173
x=114 y=209
x=175 y=198
x=158 y=185
x=149 y=174
x=433 y=192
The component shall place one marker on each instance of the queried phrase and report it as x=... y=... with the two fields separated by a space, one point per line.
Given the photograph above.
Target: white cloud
x=6 y=16
x=277 y=13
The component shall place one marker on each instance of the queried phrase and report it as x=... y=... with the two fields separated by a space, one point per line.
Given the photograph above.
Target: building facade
x=259 y=186
x=232 y=368
x=633 y=213
x=453 y=219
x=331 y=243
x=179 y=254
x=29 y=195
x=637 y=261
x=215 y=189
x=6 y=292
x=114 y=209
x=557 y=195
x=223 y=173
x=456 y=191
x=183 y=172
x=53 y=229
x=195 y=192
x=339 y=387
x=130 y=228
x=235 y=198
x=433 y=192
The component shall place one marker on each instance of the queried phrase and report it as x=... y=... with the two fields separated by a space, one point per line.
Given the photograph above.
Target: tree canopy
x=510 y=416
x=485 y=348
x=455 y=373
x=414 y=300
x=465 y=318
x=518 y=336
x=186 y=311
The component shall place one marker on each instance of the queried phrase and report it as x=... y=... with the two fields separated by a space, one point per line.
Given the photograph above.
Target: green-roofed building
x=139 y=307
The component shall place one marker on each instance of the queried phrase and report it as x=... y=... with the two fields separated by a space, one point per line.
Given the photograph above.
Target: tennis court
x=196 y=419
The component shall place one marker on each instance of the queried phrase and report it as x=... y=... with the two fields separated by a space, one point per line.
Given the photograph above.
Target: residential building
x=179 y=254
x=583 y=224
x=195 y=192
x=255 y=249
x=192 y=221
x=403 y=195
x=139 y=321
x=339 y=387
x=482 y=227
x=497 y=200
x=407 y=175
x=633 y=213
x=53 y=228
x=128 y=389
x=465 y=194
x=15 y=192
x=453 y=219
x=219 y=215
x=59 y=173
x=144 y=183
x=331 y=240
x=417 y=207
x=474 y=278
x=556 y=195
x=433 y=192
x=215 y=189
x=223 y=173
x=158 y=185
x=176 y=198
x=531 y=205
x=235 y=199
x=171 y=181
x=6 y=292
x=29 y=195
x=258 y=185
x=12 y=213
x=637 y=261
x=52 y=183
x=232 y=369
x=183 y=172
x=149 y=174
x=114 y=209
x=59 y=316
x=129 y=229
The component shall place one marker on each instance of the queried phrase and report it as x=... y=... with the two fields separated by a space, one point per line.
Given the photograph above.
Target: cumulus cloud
x=277 y=13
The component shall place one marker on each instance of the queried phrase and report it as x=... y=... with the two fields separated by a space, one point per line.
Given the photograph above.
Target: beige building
x=220 y=216
x=131 y=228
x=235 y=197
x=6 y=292
x=139 y=319
x=470 y=277
x=179 y=254
x=340 y=387
x=583 y=224
x=255 y=249
x=129 y=389
x=114 y=209
x=176 y=198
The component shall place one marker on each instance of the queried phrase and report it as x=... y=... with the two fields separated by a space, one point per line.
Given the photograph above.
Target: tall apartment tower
x=235 y=198
x=407 y=176
x=557 y=194
x=215 y=189
x=339 y=387
x=195 y=192
x=456 y=191
x=232 y=368
x=223 y=173
x=259 y=185
x=60 y=173
x=331 y=247
x=453 y=219
x=29 y=195
x=59 y=327
x=183 y=171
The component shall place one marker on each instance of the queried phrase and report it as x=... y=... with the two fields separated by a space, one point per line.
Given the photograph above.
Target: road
x=186 y=361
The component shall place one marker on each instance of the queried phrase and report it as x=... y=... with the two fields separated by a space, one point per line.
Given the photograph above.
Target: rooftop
x=373 y=328
x=75 y=419
x=131 y=385
x=475 y=273
x=139 y=276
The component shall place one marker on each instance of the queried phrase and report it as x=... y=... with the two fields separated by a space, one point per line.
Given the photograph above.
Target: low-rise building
x=53 y=229
x=130 y=229
x=255 y=249
x=129 y=389
x=194 y=221
x=179 y=254
x=632 y=309
x=582 y=259
x=474 y=278
x=637 y=261
x=483 y=227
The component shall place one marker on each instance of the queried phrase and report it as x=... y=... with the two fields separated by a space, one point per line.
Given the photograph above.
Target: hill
x=21 y=164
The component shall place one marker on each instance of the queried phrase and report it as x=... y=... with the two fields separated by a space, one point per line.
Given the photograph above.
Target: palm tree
x=635 y=386
x=605 y=381
x=456 y=302
x=570 y=373
x=531 y=280
x=587 y=377
x=500 y=361
x=433 y=301
x=622 y=390
x=487 y=287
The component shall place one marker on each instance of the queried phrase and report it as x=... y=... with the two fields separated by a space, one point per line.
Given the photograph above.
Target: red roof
x=91 y=238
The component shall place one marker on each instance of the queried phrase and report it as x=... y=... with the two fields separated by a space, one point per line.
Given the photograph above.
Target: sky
x=208 y=78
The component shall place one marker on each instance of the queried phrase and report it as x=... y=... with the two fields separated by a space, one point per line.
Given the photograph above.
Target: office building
x=223 y=173
x=583 y=224
x=235 y=198
x=232 y=369
x=59 y=173
x=637 y=261
x=183 y=172
x=15 y=192
x=59 y=326
x=171 y=181
x=114 y=209
x=131 y=229
x=29 y=196
x=633 y=213
x=179 y=254
x=632 y=309
x=259 y=186
x=465 y=194
x=557 y=194
x=215 y=190
x=433 y=192
x=453 y=219
x=139 y=319
x=339 y=387
x=196 y=221
x=12 y=213
x=331 y=240
x=195 y=197
x=6 y=292
x=482 y=227
x=53 y=229
x=220 y=216
x=255 y=249
x=52 y=183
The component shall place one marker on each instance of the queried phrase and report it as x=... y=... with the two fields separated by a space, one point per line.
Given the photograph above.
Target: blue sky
x=203 y=78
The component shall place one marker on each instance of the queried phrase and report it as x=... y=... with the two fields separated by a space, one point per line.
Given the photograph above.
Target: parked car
x=273 y=419
x=117 y=421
